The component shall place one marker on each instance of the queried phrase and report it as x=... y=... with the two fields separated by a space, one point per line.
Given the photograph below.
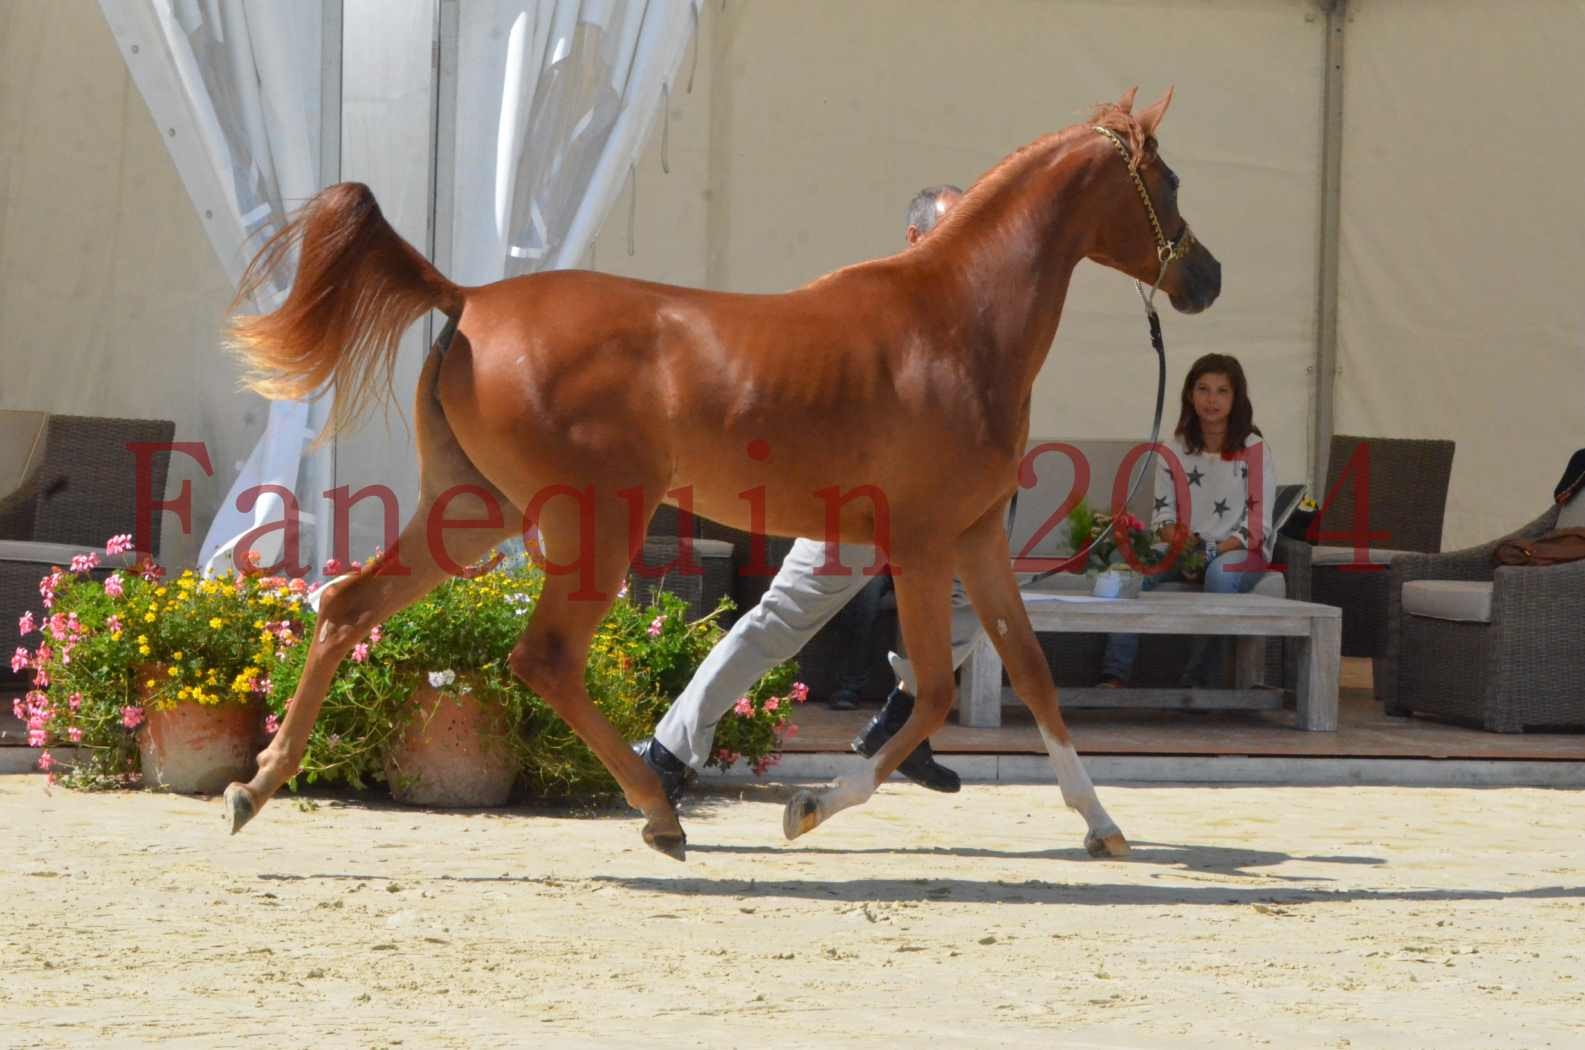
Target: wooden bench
x=1248 y=617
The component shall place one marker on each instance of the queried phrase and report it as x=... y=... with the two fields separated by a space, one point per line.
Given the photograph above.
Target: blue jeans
x=1229 y=573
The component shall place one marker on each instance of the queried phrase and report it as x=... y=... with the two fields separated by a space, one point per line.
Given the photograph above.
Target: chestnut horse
x=579 y=401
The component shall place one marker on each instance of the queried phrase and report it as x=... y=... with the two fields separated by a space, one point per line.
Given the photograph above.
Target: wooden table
x=1249 y=617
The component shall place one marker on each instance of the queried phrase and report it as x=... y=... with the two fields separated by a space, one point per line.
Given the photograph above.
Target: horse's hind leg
x=987 y=575
x=924 y=594
x=349 y=609
x=551 y=656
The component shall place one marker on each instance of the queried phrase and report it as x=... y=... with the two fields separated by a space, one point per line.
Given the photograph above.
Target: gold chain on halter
x=1166 y=251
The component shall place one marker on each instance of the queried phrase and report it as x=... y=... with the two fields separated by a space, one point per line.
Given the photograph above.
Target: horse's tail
x=358 y=288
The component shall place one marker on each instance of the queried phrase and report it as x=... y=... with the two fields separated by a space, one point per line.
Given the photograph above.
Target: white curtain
x=555 y=100
x=234 y=87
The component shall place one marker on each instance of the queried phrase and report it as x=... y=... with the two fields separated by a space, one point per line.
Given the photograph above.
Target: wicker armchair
x=78 y=487
x=1503 y=650
x=702 y=591
x=1407 y=494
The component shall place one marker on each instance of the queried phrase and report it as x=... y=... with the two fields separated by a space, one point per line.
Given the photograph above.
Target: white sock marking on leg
x=852 y=790
x=1077 y=790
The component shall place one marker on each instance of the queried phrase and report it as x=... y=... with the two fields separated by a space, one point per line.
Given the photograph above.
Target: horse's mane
x=1109 y=115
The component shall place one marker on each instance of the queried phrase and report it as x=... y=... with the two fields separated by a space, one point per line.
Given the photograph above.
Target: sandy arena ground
x=1302 y=917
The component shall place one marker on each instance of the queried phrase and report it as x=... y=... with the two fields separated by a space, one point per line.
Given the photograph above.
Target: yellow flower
x=177 y=655
x=174 y=672
x=215 y=623
x=143 y=639
x=143 y=650
x=148 y=617
x=185 y=583
x=182 y=694
x=258 y=623
x=159 y=592
x=149 y=684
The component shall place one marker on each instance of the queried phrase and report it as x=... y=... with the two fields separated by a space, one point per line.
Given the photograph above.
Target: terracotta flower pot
x=454 y=752
x=197 y=749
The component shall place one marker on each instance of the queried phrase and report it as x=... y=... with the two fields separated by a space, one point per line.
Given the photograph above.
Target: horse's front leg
x=924 y=595
x=987 y=574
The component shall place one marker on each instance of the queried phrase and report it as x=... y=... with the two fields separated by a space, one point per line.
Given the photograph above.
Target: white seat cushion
x=1345 y=555
x=1465 y=600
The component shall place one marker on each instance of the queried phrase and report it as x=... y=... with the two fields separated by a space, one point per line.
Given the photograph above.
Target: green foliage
x=108 y=654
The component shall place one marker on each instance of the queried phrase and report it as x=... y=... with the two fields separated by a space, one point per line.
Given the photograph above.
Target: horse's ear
x=1126 y=103
x=1150 y=119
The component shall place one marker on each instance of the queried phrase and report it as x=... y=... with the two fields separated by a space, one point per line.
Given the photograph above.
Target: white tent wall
x=1459 y=311
x=110 y=295
x=830 y=115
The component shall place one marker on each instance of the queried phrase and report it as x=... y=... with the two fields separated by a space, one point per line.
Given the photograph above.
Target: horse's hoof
x=239 y=806
x=802 y=814
x=665 y=835
x=1111 y=844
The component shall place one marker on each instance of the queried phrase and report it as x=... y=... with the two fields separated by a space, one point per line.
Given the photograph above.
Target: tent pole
x=322 y=462
x=1326 y=367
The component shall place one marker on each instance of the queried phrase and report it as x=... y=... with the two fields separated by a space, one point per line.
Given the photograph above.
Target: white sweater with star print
x=1220 y=496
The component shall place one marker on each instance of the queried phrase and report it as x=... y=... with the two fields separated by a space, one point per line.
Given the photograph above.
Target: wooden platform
x=1363 y=732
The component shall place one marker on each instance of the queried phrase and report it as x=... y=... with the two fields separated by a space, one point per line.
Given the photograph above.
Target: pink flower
x=119 y=544
x=113 y=585
x=655 y=626
x=374 y=635
x=773 y=703
x=799 y=692
x=132 y=716
x=74 y=734
x=360 y=652
x=298 y=586
x=35 y=738
x=726 y=758
x=788 y=729
x=25 y=624
x=82 y=563
x=113 y=624
x=744 y=706
x=622 y=590
x=271 y=724
x=75 y=701
x=20 y=659
x=46 y=760
x=18 y=709
x=762 y=764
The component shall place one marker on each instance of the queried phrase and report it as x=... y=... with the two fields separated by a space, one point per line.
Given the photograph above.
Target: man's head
x=927 y=208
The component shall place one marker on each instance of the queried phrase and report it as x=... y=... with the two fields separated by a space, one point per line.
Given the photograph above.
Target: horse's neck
x=1015 y=260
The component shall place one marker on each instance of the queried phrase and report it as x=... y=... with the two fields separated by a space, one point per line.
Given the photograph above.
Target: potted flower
x=144 y=673
x=1115 y=558
x=428 y=702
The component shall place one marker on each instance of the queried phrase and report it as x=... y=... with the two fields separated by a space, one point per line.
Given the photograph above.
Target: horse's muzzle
x=1201 y=282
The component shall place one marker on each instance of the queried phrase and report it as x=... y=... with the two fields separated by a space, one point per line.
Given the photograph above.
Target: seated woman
x=1221 y=454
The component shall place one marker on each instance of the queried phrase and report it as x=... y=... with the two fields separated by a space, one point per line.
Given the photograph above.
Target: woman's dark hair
x=1240 y=420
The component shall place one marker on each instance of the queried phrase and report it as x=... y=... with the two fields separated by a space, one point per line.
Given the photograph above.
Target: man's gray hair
x=922 y=214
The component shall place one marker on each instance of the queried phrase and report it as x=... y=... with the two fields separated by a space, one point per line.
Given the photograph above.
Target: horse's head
x=1142 y=233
